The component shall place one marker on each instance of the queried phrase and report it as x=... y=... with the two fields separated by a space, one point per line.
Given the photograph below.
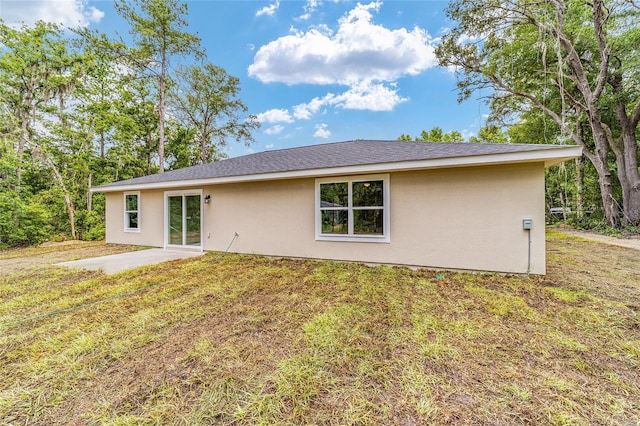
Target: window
x=132 y=212
x=353 y=209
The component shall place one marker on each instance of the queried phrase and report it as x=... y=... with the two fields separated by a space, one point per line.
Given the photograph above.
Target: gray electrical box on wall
x=527 y=224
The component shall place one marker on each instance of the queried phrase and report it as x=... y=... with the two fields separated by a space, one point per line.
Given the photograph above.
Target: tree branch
x=579 y=105
x=599 y=20
x=635 y=116
x=563 y=125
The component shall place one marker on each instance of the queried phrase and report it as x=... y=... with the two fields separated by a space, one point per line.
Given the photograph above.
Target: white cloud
x=373 y=97
x=269 y=146
x=359 y=50
x=70 y=13
x=309 y=8
x=275 y=116
x=365 y=57
x=269 y=10
x=305 y=111
x=321 y=131
x=274 y=130
x=361 y=96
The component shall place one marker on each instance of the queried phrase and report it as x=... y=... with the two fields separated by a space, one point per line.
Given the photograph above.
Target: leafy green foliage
x=207 y=103
x=157 y=27
x=79 y=110
x=91 y=225
x=573 y=62
x=434 y=135
x=23 y=221
x=490 y=134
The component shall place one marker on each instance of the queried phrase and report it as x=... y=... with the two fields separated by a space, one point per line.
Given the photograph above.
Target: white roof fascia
x=548 y=156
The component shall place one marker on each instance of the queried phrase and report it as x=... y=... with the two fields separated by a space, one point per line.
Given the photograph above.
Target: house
x=439 y=205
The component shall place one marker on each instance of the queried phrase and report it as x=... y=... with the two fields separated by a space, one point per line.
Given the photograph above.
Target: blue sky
x=312 y=71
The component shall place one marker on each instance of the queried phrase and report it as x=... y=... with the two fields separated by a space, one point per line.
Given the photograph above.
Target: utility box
x=527 y=224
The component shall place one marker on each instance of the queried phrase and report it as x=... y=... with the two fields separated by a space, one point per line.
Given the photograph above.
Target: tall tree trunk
x=67 y=196
x=600 y=161
x=632 y=196
x=89 y=194
x=592 y=94
x=626 y=151
x=149 y=150
x=163 y=74
x=563 y=203
x=203 y=150
x=580 y=187
x=22 y=140
x=630 y=191
x=631 y=188
x=580 y=174
x=611 y=211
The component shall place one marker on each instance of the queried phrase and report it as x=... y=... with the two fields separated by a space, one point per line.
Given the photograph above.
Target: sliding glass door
x=184 y=219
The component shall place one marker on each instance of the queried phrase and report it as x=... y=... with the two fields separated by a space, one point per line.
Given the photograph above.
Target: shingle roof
x=331 y=155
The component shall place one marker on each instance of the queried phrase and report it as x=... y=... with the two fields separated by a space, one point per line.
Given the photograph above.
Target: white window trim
x=386 y=210
x=126 y=218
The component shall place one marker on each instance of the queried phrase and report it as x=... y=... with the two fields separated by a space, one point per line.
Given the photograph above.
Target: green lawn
x=253 y=340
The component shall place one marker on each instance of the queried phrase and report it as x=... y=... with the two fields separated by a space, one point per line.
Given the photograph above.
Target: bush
x=93 y=227
x=23 y=221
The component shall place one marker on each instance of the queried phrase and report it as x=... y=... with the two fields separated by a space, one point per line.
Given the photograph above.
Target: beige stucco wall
x=151 y=219
x=464 y=218
x=467 y=218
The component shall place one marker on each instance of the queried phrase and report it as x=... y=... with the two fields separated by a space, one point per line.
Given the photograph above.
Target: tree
x=37 y=74
x=205 y=99
x=137 y=131
x=98 y=99
x=157 y=27
x=182 y=148
x=453 y=136
x=536 y=127
x=434 y=135
x=34 y=69
x=77 y=111
x=575 y=61
x=490 y=134
x=23 y=221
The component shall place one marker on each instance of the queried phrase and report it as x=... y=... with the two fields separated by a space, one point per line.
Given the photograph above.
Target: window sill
x=135 y=231
x=354 y=239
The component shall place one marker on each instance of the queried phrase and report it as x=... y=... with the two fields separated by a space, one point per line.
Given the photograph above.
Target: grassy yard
x=252 y=340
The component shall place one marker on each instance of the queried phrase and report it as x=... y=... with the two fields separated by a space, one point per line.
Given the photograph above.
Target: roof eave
x=547 y=156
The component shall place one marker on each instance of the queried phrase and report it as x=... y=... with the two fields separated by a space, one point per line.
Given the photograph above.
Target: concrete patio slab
x=115 y=263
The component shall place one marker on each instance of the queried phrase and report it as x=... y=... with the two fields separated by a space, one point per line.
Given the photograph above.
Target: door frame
x=182 y=193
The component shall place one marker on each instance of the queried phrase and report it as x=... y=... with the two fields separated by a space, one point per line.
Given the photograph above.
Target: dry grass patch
x=251 y=340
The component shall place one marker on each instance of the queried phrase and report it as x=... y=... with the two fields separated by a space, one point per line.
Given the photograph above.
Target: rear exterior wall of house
x=460 y=218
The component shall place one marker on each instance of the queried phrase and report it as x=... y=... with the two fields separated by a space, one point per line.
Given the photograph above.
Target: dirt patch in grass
x=583 y=263
x=16 y=260
x=631 y=241
x=251 y=340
